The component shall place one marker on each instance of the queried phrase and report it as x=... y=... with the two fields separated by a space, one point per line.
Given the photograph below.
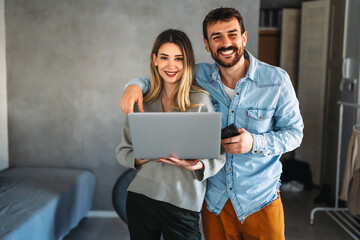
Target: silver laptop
x=185 y=135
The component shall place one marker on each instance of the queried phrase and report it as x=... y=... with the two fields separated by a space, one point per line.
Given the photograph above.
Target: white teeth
x=227 y=52
x=171 y=74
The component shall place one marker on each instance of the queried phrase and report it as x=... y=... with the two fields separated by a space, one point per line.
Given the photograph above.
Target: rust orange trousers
x=267 y=223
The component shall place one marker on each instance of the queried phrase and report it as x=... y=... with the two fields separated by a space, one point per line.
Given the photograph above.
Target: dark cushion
x=119 y=193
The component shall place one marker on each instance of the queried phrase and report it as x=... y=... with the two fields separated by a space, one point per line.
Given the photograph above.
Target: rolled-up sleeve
x=143 y=83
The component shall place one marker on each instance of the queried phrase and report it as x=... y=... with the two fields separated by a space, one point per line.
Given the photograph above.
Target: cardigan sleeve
x=211 y=167
x=124 y=152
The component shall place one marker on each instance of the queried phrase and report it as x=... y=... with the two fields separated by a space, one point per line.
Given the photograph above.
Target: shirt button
x=237 y=93
x=232 y=111
x=261 y=117
x=230 y=188
x=260 y=151
x=255 y=151
x=268 y=154
x=229 y=169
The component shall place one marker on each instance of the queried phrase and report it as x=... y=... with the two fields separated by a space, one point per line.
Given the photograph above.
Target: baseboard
x=103 y=214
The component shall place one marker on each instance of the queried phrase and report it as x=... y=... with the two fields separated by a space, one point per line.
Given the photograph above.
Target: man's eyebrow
x=215 y=34
x=218 y=33
x=234 y=30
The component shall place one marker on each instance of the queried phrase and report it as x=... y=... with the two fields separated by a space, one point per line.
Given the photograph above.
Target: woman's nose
x=171 y=63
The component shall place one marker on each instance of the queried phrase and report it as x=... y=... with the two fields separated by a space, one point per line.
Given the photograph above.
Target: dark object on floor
x=119 y=193
x=324 y=196
x=297 y=170
x=341 y=203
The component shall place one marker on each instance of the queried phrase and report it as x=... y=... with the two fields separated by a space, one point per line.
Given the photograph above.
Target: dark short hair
x=222 y=14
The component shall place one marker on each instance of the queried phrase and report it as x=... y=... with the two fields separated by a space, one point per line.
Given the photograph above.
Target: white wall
x=4 y=149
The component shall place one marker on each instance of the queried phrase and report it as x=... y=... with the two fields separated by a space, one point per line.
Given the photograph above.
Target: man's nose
x=226 y=41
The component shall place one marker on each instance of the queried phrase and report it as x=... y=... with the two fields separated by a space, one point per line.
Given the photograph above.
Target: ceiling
x=280 y=3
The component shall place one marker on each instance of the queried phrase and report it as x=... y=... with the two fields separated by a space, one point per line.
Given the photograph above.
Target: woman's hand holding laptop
x=189 y=164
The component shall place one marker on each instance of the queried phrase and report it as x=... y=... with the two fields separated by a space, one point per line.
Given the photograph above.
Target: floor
x=297 y=207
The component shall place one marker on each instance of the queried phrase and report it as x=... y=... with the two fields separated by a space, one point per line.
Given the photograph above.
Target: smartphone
x=229 y=131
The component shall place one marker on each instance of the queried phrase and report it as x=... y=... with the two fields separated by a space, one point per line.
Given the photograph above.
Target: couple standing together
x=241 y=189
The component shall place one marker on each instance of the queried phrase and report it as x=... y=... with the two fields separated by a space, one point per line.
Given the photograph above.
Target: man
x=242 y=200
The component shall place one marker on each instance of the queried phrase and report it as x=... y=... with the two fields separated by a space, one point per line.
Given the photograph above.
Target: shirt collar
x=251 y=73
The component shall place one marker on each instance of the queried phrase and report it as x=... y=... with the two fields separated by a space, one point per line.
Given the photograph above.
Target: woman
x=167 y=194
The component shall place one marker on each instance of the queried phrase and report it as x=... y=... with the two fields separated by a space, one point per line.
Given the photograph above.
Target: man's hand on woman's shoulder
x=132 y=94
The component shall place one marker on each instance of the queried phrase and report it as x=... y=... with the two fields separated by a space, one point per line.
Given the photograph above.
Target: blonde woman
x=166 y=196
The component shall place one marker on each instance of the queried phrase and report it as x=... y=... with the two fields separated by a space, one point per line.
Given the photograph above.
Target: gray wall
x=68 y=62
x=4 y=149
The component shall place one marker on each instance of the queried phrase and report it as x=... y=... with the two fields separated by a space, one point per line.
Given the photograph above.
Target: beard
x=239 y=53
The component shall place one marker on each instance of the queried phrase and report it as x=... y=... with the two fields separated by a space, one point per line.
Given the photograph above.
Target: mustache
x=227 y=48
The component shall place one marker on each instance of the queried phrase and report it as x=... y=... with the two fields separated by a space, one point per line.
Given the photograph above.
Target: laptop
x=185 y=135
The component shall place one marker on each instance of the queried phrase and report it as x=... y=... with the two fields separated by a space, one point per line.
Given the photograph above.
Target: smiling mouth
x=227 y=52
x=170 y=74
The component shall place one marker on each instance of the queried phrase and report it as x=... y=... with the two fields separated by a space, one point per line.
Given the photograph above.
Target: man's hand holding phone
x=236 y=140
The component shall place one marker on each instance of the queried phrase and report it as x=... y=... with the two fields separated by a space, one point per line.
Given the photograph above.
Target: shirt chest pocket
x=259 y=120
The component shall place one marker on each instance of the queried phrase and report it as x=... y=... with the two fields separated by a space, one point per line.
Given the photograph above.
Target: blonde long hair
x=180 y=96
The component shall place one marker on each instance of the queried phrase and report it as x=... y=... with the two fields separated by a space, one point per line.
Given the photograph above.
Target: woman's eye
x=163 y=58
x=179 y=59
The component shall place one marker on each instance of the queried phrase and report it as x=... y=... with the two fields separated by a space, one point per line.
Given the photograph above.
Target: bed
x=43 y=203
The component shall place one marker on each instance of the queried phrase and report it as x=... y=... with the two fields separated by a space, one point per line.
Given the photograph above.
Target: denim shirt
x=265 y=105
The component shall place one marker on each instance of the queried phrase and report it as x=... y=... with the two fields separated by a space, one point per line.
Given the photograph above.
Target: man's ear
x=154 y=59
x=244 y=38
x=206 y=42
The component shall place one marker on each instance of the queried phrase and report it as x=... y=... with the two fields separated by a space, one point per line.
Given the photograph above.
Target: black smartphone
x=229 y=131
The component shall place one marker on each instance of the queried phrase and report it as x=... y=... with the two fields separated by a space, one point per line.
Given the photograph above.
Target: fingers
x=234 y=139
x=175 y=159
x=189 y=164
x=164 y=160
x=140 y=104
x=241 y=130
x=178 y=162
x=231 y=147
x=131 y=95
x=127 y=105
x=238 y=144
x=130 y=106
x=184 y=161
x=122 y=107
x=171 y=160
x=231 y=140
